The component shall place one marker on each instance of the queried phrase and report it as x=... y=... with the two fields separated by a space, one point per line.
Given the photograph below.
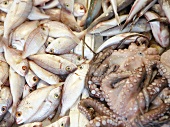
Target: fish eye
x=24 y=68
x=56 y=95
x=18 y=114
x=49 y=43
x=5 y=2
x=81 y=67
x=81 y=7
x=3 y=109
x=68 y=68
x=51 y=50
x=35 y=78
x=30 y=90
x=62 y=125
x=141 y=54
x=79 y=57
x=43 y=28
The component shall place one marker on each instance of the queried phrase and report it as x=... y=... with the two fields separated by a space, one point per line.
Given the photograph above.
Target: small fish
x=44 y=75
x=27 y=107
x=115 y=40
x=22 y=10
x=58 y=29
x=61 y=45
x=14 y=59
x=159 y=30
x=55 y=64
x=35 y=40
x=79 y=9
x=48 y=106
x=68 y=5
x=74 y=82
x=137 y=6
x=35 y=124
x=5 y=100
x=31 y=78
x=17 y=83
x=62 y=122
x=21 y=34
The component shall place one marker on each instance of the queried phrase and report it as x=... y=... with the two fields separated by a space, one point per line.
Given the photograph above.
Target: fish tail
x=14 y=109
x=117 y=19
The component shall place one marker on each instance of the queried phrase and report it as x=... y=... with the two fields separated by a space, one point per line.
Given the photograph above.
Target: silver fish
x=160 y=31
x=41 y=84
x=27 y=90
x=74 y=82
x=19 y=10
x=48 y=106
x=27 y=107
x=5 y=5
x=61 y=45
x=44 y=75
x=8 y=120
x=17 y=83
x=54 y=13
x=35 y=40
x=5 y=100
x=55 y=64
x=21 y=34
x=58 y=29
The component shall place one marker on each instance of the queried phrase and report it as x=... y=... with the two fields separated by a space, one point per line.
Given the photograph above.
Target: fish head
x=82 y=69
x=20 y=116
x=79 y=9
x=68 y=66
x=79 y=60
x=64 y=121
x=45 y=30
x=3 y=107
x=22 y=67
x=48 y=41
x=55 y=95
x=5 y=5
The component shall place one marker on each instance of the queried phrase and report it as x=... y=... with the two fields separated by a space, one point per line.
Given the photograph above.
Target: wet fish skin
x=35 y=40
x=27 y=107
x=17 y=83
x=17 y=14
x=44 y=75
x=55 y=64
x=14 y=59
x=61 y=45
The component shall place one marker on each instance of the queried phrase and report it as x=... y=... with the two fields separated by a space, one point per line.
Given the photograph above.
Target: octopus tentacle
x=154 y=115
x=153 y=90
x=85 y=104
x=103 y=121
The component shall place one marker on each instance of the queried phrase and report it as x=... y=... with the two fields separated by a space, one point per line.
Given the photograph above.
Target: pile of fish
x=41 y=73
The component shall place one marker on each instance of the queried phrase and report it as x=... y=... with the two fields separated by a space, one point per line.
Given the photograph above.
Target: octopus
x=128 y=88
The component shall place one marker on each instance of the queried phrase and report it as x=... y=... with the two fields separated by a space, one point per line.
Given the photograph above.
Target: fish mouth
x=19 y=121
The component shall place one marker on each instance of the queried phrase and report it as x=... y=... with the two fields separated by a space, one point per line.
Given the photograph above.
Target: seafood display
x=84 y=63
